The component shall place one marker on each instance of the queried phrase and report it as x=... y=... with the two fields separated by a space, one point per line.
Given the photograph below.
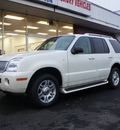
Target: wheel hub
x=115 y=78
x=46 y=90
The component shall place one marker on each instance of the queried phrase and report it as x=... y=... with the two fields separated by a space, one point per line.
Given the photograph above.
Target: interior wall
x=14 y=44
x=0 y=46
x=34 y=42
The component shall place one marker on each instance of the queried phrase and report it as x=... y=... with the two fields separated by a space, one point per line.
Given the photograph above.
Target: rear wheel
x=45 y=90
x=114 y=78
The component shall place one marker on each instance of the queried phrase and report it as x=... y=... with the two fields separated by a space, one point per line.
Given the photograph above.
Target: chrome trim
x=82 y=88
x=5 y=66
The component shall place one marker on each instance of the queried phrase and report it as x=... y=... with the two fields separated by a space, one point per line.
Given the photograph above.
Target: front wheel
x=114 y=78
x=45 y=90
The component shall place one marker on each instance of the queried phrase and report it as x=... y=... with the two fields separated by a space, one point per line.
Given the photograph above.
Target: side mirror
x=76 y=50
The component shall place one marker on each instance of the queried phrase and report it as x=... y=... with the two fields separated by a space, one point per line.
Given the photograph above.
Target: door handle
x=91 y=58
x=110 y=57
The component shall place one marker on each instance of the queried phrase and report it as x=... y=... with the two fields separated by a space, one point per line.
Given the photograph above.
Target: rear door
x=103 y=57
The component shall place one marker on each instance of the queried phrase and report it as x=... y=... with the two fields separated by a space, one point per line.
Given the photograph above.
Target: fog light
x=6 y=81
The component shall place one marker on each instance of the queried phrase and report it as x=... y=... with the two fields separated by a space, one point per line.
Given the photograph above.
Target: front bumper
x=9 y=82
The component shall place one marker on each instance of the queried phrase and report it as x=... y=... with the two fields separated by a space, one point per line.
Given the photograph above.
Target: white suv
x=63 y=64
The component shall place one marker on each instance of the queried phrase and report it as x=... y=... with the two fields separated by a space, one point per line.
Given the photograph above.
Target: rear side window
x=100 y=45
x=106 y=46
x=116 y=46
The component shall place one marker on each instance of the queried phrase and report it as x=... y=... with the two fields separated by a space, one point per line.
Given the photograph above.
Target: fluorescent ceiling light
x=70 y=33
x=67 y=27
x=5 y=23
x=14 y=17
x=32 y=27
x=43 y=22
x=21 y=31
x=42 y=33
x=52 y=30
x=11 y=34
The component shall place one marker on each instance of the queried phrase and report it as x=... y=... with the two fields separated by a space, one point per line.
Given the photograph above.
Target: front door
x=82 y=66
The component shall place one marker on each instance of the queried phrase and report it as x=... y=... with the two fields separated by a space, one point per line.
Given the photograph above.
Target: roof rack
x=100 y=35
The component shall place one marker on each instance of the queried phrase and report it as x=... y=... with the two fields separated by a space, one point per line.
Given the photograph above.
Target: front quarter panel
x=55 y=59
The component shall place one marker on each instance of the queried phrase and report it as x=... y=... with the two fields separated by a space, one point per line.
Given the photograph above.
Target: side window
x=100 y=45
x=106 y=46
x=116 y=46
x=84 y=43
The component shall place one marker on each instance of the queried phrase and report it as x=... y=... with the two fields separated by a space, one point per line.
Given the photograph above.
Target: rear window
x=116 y=45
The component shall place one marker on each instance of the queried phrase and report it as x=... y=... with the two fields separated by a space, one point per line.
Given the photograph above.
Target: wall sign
x=54 y=2
x=79 y=6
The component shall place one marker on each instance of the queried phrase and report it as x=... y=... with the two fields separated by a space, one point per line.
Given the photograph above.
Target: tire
x=45 y=90
x=114 y=78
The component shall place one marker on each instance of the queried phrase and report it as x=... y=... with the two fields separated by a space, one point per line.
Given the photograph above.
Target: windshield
x=56 y=43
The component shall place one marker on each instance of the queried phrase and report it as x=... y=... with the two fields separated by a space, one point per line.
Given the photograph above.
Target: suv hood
x=8 y=57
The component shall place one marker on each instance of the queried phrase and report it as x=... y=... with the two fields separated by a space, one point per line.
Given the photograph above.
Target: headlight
x=13 y=64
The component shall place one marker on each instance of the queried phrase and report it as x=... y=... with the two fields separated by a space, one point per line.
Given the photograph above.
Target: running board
x=74 y=89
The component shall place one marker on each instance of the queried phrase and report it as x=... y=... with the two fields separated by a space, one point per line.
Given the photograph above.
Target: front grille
x=3 y=66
